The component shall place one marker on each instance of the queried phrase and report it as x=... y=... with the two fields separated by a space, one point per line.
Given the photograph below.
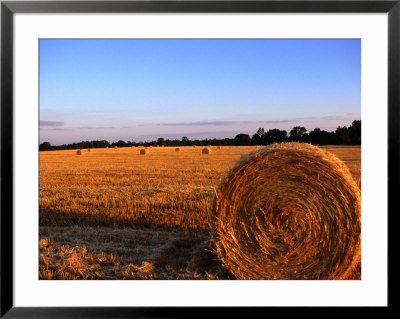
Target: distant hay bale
x=88 y=150
x=143 y=151
x=218 y=147
x=206 y=150
x=289 y=211
x=177 y=149
x=79 y=152
x=115 y=147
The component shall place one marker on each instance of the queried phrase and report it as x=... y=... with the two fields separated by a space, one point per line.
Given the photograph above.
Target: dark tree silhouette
x=319 y=137
x=242 y=139
x=297 y=132
x=257 y=139
x=160 y=141
x=354 y=132
x=342 y=135
x=121 y=143
x=275 y=136
x=185 y=141
x=45 y=146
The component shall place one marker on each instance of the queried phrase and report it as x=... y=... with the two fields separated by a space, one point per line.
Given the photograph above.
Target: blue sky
x=142 y=89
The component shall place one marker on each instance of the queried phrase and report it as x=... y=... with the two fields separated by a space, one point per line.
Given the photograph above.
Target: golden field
x=118 y=214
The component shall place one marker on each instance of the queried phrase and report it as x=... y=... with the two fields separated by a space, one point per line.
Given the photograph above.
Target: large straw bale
x=206 y=150
x=79 y=152
x=288 y=211
x=177 y=149
x=144 y=151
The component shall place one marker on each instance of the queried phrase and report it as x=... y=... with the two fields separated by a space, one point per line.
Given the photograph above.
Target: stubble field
x=117 y=214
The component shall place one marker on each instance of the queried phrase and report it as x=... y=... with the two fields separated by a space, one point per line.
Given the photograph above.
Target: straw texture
x=288 y=211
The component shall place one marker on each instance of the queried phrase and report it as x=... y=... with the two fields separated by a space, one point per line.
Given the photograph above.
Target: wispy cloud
x=335 y=117
x=205 y=123
x=339 y=117
x=305 y=118
x=61 y=129
x=96 y=127
x=226 y=123
x=51 y=123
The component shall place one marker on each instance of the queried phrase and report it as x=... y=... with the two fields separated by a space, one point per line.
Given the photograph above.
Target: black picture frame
x=9 y=8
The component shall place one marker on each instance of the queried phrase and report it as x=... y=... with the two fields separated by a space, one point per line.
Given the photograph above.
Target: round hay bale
x=289 y=211
x=115 y=147
x=144 y=151
x=79 y=152
x=218 y=147
x=206 y=150
x=177 y=149
x=88 y=150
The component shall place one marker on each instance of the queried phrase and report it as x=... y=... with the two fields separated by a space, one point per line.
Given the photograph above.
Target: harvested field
x=122 y=215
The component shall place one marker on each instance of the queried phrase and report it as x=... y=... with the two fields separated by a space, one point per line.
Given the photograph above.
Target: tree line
x=341 y=136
